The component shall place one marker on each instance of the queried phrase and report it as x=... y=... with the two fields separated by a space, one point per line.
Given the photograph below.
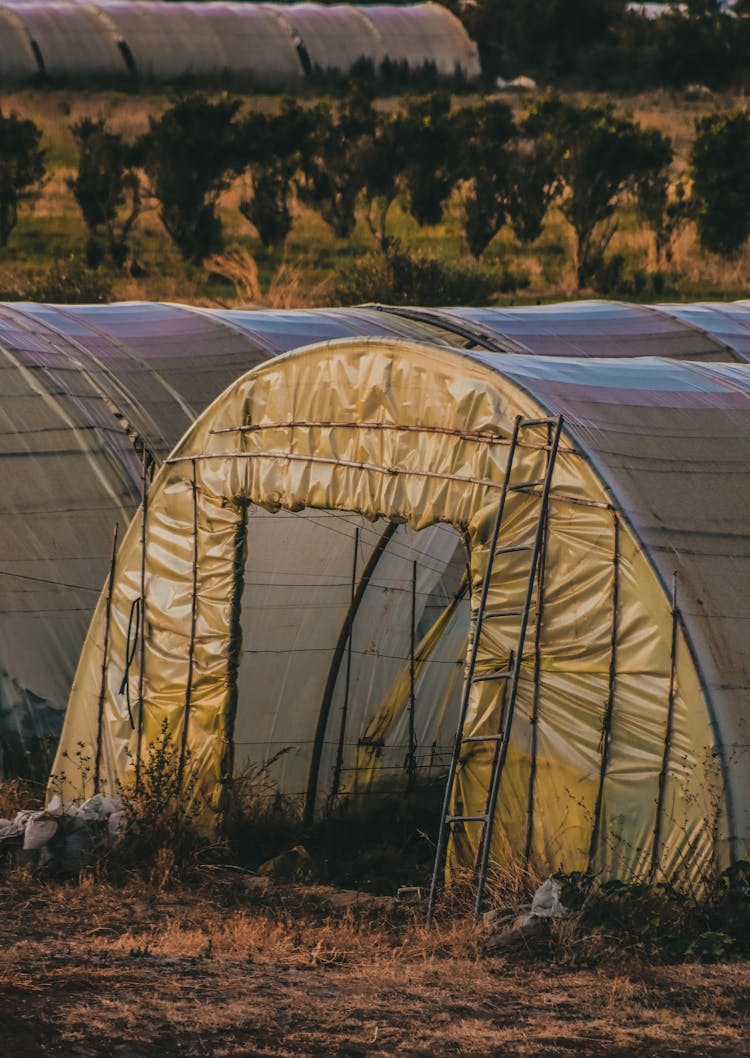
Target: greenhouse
x=271 y=45
x=101 y=387
x=312 y=555
x=69 y=41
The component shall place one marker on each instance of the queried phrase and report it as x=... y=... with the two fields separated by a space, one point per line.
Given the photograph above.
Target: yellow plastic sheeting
x=340 y=455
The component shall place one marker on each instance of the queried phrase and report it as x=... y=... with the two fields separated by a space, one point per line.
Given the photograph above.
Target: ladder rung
x=526 y=485
x=515 y=547
x=493 y=676
x=482 y=738
x=466 y=819
x=489 y=614
x=536 y=422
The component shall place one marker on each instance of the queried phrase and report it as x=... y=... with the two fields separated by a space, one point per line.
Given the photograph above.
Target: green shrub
x=668 y=920
x=22 y=169
x=401 y=277
x=68 y=280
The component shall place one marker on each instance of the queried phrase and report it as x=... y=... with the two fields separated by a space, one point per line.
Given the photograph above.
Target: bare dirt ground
x=214 y=970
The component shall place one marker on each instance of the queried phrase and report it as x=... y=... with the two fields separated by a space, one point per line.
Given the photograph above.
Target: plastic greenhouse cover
x=255 y=44
x=600 y=328
x=74 y=40
x=335 y=37
x=625 y=504
x=673 y=443
x=87 y=386
x=425 y=33
x=17 y=60
x=726 y=322
x=165 y=40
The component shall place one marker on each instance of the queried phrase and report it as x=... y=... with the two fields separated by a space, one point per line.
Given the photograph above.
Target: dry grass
x=91 y=971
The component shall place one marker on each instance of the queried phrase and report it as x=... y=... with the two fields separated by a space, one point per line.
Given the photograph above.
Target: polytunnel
x=306 y=563
x=89 y=393
x=251 y=43
x=91 y=387
x=332 y=38
x=70 y=41
x=17 y=59
x=423 y=34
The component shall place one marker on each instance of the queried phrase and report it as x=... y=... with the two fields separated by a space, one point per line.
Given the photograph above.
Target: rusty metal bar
x=481 y=436
x=297 y=457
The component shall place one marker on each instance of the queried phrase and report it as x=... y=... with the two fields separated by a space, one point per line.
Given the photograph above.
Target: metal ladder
x=510 y=675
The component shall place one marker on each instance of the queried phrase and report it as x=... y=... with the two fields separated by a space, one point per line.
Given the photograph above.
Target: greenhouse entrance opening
x=353 y=647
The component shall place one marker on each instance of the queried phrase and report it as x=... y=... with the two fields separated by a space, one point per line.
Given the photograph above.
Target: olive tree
x=106 y=187
x=190 y=156
x=335 y=158
x=271 y=149
x=720 y=201
x=22 y=168
x=599 y=157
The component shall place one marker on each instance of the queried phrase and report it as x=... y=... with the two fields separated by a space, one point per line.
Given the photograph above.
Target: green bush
x=666 y=919
x=401 y=277
x=68 y=280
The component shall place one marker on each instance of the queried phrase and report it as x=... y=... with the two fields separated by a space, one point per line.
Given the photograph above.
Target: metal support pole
x=411 y=757
x=191 y=644
x=610 y=703
x=335 y=785
x=534 y=718
x=142 y=652
x=105 y=661
x=667 y=733
x=484 y=858
x=333 y=673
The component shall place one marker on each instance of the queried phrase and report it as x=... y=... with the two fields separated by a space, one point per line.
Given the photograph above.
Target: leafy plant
x=401 y=277
x=161 y=810
x=598 y=156
x=432 y=164
x=68 y=280
x=22 y=169
x=190 y=157
x=335 y=158
x=106 y=188
x=271 y=147
x=720 y=200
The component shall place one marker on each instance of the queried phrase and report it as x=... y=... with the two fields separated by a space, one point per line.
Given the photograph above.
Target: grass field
x=305 y=272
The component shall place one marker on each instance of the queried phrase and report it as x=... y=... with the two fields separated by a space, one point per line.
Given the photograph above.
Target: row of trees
x=349 y=156
x=605 y=43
